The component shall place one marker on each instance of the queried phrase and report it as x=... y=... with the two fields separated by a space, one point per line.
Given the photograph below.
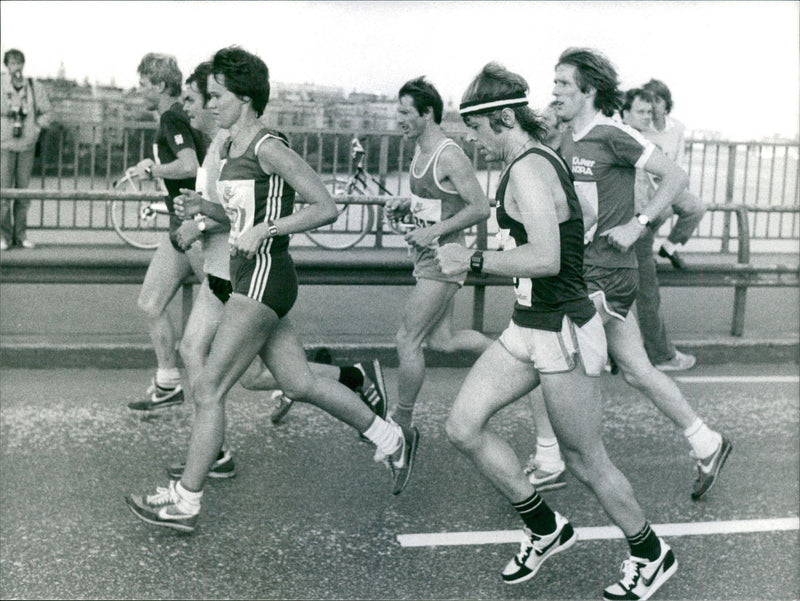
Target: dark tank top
x=251 y=196
x=543 y=302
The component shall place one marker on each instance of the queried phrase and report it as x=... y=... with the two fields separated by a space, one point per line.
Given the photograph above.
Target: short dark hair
x=660 y=89
x=13 y=53
x=245 y=75
x=424 y=96
x=594 y=70
x=162 y=68
x=632 y=95
x=199 y=77
x=495 y=81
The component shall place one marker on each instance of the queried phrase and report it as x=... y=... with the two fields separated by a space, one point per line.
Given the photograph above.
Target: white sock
x=188 y=501
x=703 y=440
x=168 y=378
x=386 y=435
x=548 y=453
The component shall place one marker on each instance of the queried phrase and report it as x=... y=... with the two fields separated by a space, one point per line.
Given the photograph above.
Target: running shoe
x=708 y=469
x=535 y=550
x=544 y=479
x=373 y=390
x=680 y=362
x=161 y=509
x=642 y=578
x=222 y=468
x=284 y=404
x=402 y=467
x=158 y=398
x=674 y=258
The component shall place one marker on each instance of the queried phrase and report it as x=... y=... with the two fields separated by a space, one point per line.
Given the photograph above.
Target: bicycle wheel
x=140 y=223
x=353 y=224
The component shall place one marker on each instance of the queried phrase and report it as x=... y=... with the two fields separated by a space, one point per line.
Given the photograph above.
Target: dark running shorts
x=222 y=289
x=617 y=285
x=269 y=279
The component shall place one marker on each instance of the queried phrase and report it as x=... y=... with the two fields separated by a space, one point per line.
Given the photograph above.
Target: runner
x=446 y=198
x=555 y=338
x=603 y=155
x=257 y=183
x=178 y=149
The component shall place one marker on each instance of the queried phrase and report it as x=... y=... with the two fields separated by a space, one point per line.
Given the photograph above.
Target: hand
x=622 y=237
x=187 y=233
x=138 y=171
x=248 y=242
x=188 y=204
x=453 y=258
x=422 y=238
x=397 y=209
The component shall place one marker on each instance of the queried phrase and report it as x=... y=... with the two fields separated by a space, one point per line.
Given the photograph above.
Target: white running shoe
x=535 y=550
x=642 y=578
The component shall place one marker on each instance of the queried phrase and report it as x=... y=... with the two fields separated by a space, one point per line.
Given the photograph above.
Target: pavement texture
x=311 y=516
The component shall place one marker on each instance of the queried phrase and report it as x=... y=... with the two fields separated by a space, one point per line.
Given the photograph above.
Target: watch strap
x=476 y=262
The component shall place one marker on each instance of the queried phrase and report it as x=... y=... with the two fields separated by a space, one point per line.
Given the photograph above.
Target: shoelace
x=163 y=496
x=528 y=543
x=630 y=573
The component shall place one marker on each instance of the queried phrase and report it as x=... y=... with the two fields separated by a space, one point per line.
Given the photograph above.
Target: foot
x=642 y=578
x=674 y=258
x=27 y=244
x=680 y=362
x=536 y=549
x=373 y=390
x=158 y=398
x=161 y=509
x=708 y=469
x=3 y=244
x=545 y=477
x=402 y=462
x=222 y=468
x=284 y=404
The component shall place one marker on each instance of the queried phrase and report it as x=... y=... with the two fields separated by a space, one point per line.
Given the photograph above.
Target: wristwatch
x=272 y=228
x=476 y=262
x=201 y=224
x=642 y=219
x=149 y=171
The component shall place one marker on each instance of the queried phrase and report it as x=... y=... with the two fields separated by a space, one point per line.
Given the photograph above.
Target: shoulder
x=174 y=115
x=452 y=155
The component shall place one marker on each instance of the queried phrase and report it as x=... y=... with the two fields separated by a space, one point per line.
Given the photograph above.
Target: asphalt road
x=310 y=516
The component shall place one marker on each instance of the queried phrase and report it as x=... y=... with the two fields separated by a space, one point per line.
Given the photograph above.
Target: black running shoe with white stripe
x=373 y=390
x=158 y=398
x=536 y=549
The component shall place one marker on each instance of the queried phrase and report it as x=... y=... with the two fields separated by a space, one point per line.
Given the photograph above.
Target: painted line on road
x=497 y=537
x=739 y=379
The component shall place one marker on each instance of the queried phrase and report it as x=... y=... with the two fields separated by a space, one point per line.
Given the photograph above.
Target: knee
x=301 y=391
x=191 y=352
x=460 y=433
x=206 y=392
x=404 y=341
x=149 y=304
x=441 y=344
x=586 y=466
x=635 y=375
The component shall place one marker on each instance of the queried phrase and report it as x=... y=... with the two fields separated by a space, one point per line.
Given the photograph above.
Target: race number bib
x=425 y=211
x=523 y=287
x=239 y=200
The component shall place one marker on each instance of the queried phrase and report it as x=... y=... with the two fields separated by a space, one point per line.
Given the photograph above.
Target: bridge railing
x=80 y=156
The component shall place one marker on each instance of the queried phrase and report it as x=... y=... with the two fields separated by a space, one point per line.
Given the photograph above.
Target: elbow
x=550 y=269
x=331 y=214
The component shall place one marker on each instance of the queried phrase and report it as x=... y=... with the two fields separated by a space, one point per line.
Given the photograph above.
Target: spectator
x=24 y=112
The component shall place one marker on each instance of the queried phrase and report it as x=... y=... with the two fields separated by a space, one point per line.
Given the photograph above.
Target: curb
x=33 y=355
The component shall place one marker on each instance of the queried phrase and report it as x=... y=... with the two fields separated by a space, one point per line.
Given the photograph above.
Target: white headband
x=467 y=108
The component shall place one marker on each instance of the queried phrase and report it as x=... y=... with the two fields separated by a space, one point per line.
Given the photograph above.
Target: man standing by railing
x=178 y=150
x=24 y=112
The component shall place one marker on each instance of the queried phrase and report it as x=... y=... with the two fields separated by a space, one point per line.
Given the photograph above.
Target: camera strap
x=33 y=95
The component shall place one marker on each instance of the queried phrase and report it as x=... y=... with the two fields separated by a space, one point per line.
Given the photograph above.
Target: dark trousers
x=15 y=172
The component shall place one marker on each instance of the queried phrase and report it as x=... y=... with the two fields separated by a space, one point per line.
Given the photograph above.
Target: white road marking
x=738 y=379
x=497 y=537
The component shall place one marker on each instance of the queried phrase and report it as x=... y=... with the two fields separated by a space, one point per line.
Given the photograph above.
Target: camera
x=18 y=115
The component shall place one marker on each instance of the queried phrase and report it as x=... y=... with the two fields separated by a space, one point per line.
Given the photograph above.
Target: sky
x=732 y=67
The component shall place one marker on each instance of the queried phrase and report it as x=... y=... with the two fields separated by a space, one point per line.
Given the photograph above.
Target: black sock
x=645 y=544
x=351 y=377
x=220 y=456
x=538 y=517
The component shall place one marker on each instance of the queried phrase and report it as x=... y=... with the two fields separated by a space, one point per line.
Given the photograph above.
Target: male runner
x=178 y=149
x=446 y=199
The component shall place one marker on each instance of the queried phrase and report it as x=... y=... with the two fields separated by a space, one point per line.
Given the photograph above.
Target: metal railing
x=89 y=156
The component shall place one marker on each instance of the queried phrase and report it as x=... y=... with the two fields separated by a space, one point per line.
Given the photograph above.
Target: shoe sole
x=157 y=406
x=281 y=412
x=563 y=547
x=214 y=475
x=411 y=456
x=173 y=525
x=725 y=453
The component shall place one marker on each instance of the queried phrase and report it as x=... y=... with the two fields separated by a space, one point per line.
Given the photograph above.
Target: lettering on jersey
x=178 y=139
x=582 y=166
x=425 y=211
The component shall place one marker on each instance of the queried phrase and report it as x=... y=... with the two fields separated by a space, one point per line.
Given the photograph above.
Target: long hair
x=425 y=96
x=245 y=75
x=162 y=68
x=495 y=81
x=594 y=70
x=199 y=77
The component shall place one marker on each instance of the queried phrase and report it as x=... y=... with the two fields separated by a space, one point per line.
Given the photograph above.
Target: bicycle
x=140 y=223
x=339 y=235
